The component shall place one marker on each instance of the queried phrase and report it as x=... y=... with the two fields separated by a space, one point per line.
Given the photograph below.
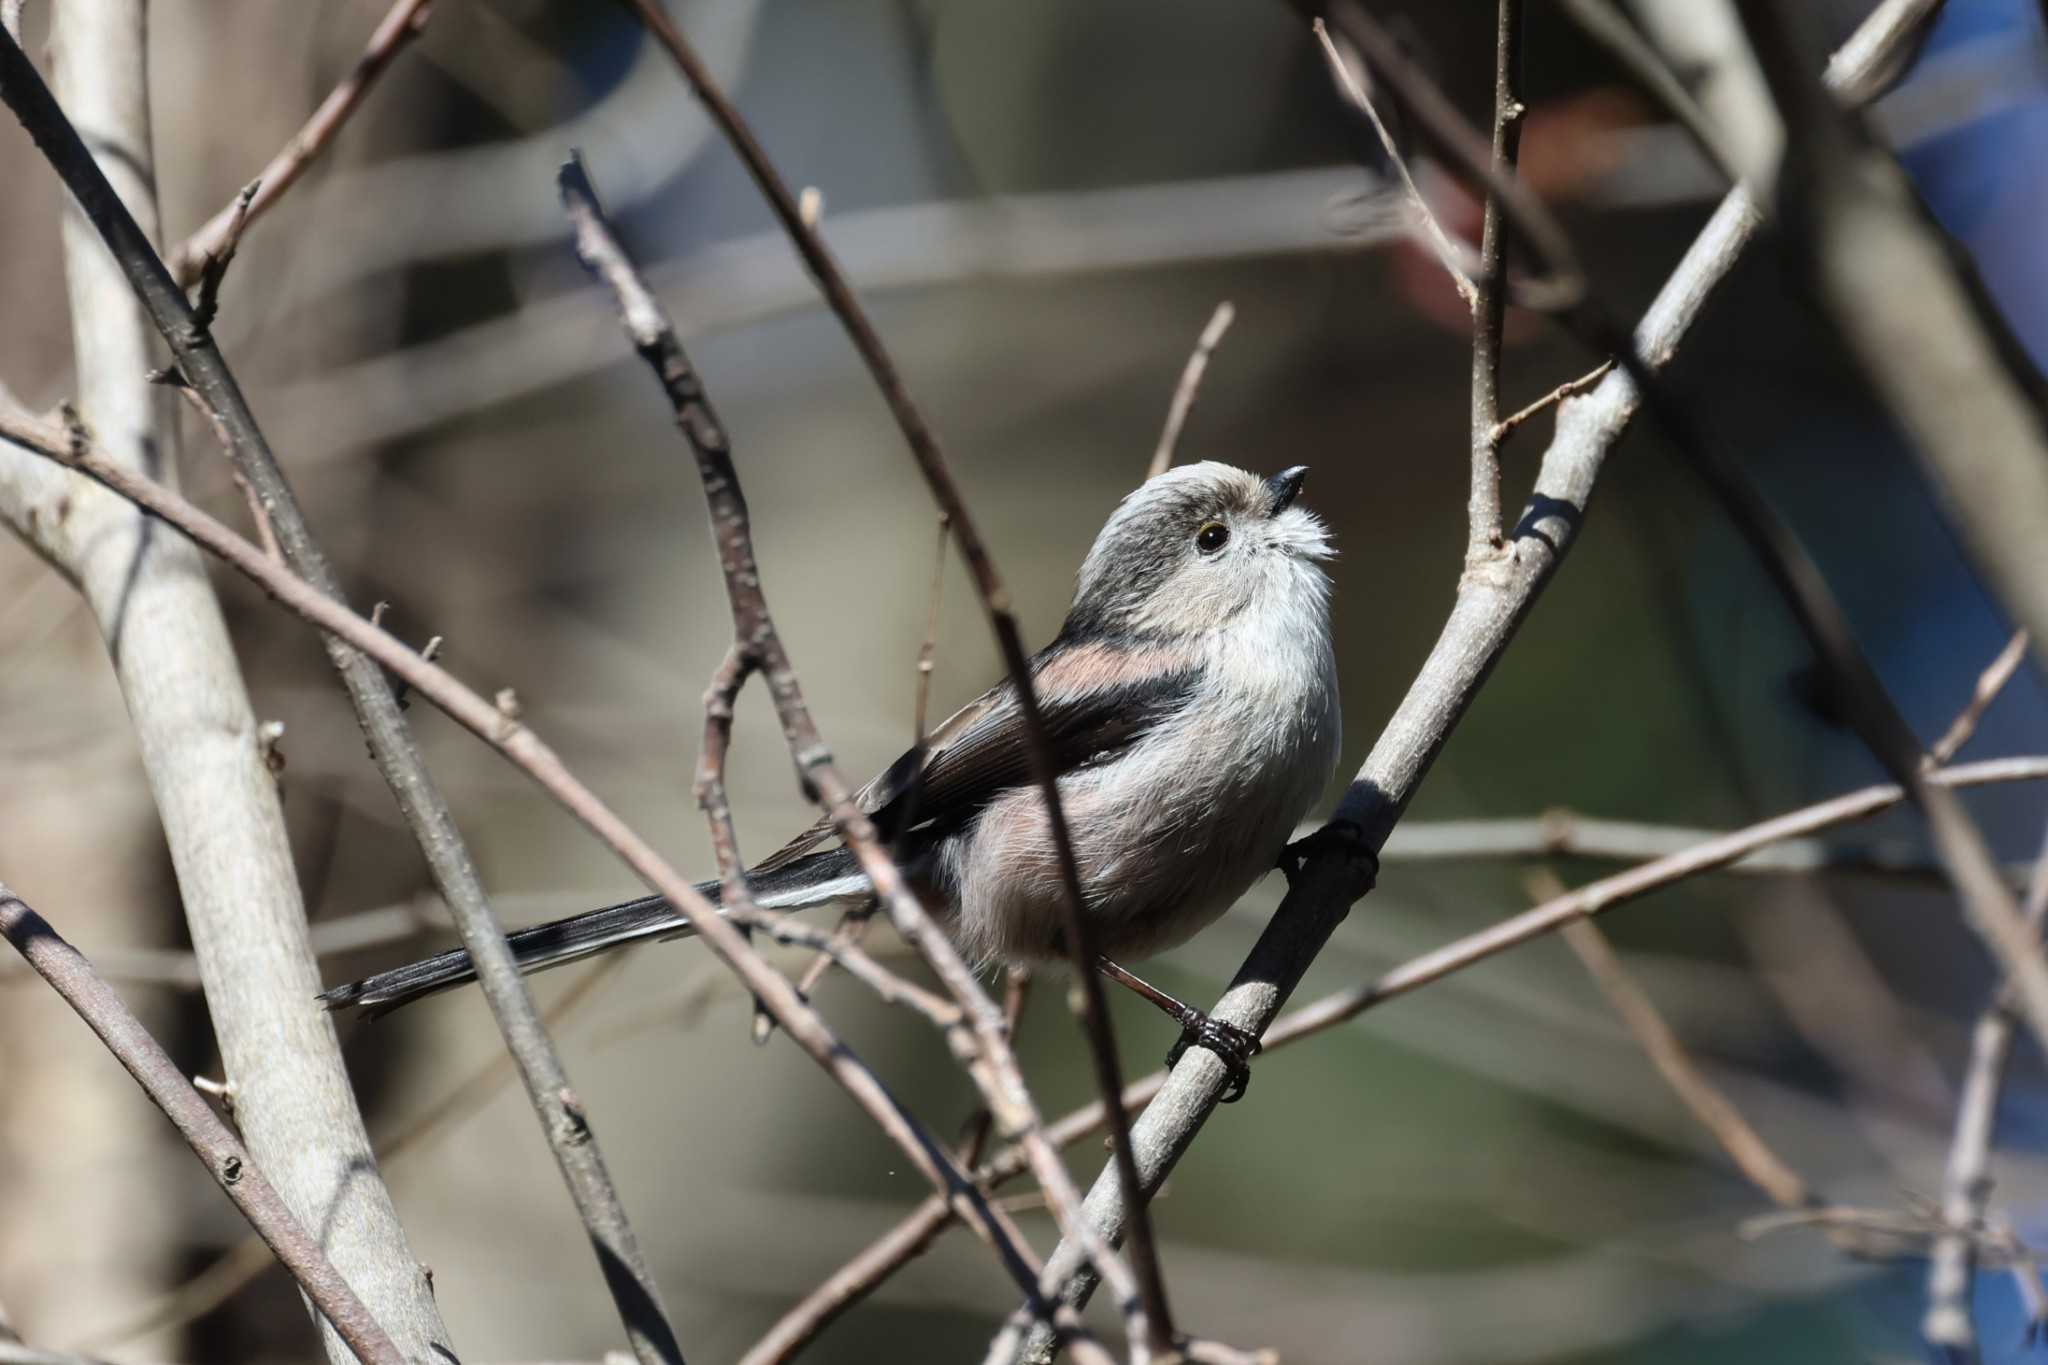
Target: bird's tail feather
x=819 y=879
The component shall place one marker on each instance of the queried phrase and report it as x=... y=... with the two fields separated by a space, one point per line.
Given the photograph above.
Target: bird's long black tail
x=820 y=879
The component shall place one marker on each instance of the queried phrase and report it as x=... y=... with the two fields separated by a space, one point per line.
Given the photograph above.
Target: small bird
x=1190 y=702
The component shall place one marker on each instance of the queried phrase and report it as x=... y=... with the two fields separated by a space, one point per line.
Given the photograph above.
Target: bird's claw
x=1343 y=840
x=1231 y=1044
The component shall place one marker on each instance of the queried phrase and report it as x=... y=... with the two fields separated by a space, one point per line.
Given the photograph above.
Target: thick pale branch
x=1743 y=1144
x=201 y=368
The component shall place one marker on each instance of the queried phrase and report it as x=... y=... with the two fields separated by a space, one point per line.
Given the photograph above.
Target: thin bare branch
x=1079 y=934
x=1746 y=1147
x=1184 y=393
x=1489 y=301
x=1351 y=84
x=1510 y=424
x=1990 y=683
x=214 y=241
x=1966 y=1182
x=1909 y=1233
x=222 y=1153
x=1987 y=904
x=2025 y=1270
x=757 y=645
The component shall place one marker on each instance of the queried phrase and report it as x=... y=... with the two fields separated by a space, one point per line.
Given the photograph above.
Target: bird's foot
x=1231 y=1044
x=1342 y=840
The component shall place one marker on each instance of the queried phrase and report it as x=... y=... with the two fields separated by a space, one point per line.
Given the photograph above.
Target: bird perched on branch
x=1190 y=705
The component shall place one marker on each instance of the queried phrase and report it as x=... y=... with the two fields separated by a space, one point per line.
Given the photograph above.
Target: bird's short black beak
x=1284 y=487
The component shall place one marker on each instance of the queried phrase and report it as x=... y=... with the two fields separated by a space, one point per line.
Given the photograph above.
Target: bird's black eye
x=1213 y=536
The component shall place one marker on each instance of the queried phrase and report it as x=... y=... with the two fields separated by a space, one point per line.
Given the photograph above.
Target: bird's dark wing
x=1095 y=699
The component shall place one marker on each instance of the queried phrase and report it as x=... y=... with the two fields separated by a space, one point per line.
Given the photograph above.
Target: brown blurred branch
x=1507 y=426
x=1744 y=1145
x=201 y=367
x=214 y=240
x=1561 y=287
x=1569 y=834
x=1079 y=935
x=757 y=646
x=1913 y=1231
x=1190 y=385
x=851 y=1283
x=72 y=977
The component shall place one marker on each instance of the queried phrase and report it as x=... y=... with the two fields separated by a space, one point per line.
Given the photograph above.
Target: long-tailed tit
x=1190 y=702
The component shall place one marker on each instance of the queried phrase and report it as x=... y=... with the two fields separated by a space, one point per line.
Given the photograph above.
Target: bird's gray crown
x=1191 y=548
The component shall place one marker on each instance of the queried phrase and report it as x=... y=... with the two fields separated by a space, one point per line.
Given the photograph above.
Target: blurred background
x=1043 y=204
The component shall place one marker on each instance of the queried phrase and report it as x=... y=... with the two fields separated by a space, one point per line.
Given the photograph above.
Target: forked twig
x=1507 y=426
x=1746 y=1147
x=214 y=240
